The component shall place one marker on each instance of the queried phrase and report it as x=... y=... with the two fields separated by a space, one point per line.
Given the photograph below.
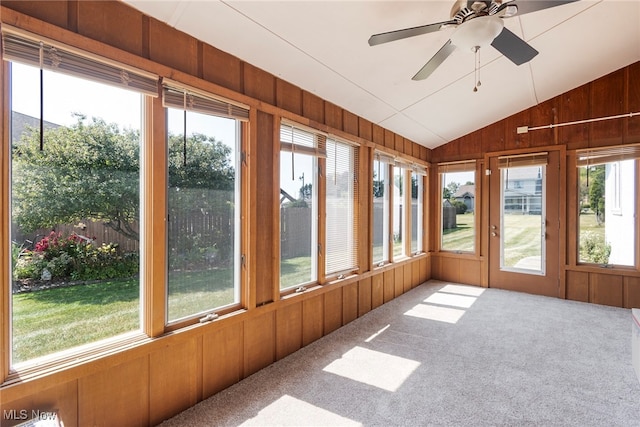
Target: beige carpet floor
x=448 y=355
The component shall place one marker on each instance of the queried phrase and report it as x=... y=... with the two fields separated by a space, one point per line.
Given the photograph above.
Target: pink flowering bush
x=74 y=258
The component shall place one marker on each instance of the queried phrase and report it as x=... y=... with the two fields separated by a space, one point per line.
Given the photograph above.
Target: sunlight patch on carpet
x=473 y=291
x=460 y=301
x=435 y=312
x=289 y=411
x=374 y=368
x=447 y=304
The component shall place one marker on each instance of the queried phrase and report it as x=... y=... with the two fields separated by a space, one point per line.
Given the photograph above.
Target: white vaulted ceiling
x=321 y=46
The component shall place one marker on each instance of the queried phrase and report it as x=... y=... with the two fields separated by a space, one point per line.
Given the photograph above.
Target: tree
x=91 y=170
x=306 y=191
x=453 y=188
x=596 y=191
x=88 y=170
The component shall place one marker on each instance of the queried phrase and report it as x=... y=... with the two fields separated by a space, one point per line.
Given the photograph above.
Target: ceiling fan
x=478 y=23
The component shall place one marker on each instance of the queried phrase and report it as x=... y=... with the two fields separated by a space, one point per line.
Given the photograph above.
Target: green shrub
x=461 y=207
x=74 y=258
x=593 y=248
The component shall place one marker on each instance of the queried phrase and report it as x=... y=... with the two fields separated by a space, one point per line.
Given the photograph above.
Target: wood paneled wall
x=154 y=379
x=614 y=94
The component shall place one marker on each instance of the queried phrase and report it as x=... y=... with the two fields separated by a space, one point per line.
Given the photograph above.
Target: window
x=342 y=215
x=417 y=210
x=457 y=219
x=75 y=197
x=399 y=213
x=381 y=209
x=203 y=203
x=606 y=205
x=299 y=155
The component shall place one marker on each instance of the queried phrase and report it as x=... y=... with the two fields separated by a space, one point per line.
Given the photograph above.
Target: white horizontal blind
x=524 y=160
x=184 y=98
x=465 y=166
x=341 y=208
x=599 y=156
x=26 y=48
x=297 y=139
x=382 y=157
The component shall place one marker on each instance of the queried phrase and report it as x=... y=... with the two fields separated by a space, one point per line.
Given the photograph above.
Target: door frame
x=549 y=284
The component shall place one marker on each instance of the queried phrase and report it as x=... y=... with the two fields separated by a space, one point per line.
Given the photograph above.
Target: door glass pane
x=522 y=220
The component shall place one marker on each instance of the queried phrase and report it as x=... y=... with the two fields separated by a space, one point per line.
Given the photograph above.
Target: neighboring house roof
x=467 y=190
x=20 y=122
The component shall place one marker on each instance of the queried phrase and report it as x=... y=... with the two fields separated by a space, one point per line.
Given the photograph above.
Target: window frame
x=456 y=167
x=319 y=152
x=315 y=148
x=82 y=352
x=152 y=217
x=355 y=238
x=387 y=210
x=212 y=312
x=609 y=155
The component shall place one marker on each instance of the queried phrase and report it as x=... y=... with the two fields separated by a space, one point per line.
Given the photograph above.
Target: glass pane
x=607 y=213
x=399 y=225
x=458 y=208
x=298 y=224
x=75 y=205
x=202 y=198
x=341 y=237
x=522 y=228
x=380 y=212
x=416 y=213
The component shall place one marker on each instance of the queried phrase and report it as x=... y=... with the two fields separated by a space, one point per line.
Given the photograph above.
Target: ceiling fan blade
x=513 y=47
x=528 y=6
x=435 y=61
x=391 y=36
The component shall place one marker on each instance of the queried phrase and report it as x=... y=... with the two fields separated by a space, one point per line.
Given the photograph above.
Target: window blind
x=465 y=166
x=176 y=95
x=599 y=156
x=535 y=159
x=342 y=217
x=297 y=139
x=382 y=157
x=26 y=48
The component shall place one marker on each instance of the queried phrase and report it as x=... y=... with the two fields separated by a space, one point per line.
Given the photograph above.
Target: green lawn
x=294 y=271
x=52 y=320
x=56 y=319
x=461 y=238
x=197 y=291
x=522 y=238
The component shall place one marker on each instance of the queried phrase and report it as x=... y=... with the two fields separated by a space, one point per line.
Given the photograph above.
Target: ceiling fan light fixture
x=509 y=11
x=477 y=32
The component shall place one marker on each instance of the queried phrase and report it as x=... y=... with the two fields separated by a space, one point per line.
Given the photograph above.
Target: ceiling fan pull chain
x=476 y=74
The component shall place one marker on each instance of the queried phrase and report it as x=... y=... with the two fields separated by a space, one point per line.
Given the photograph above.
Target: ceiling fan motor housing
x=478 y=32
x=464 y=10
